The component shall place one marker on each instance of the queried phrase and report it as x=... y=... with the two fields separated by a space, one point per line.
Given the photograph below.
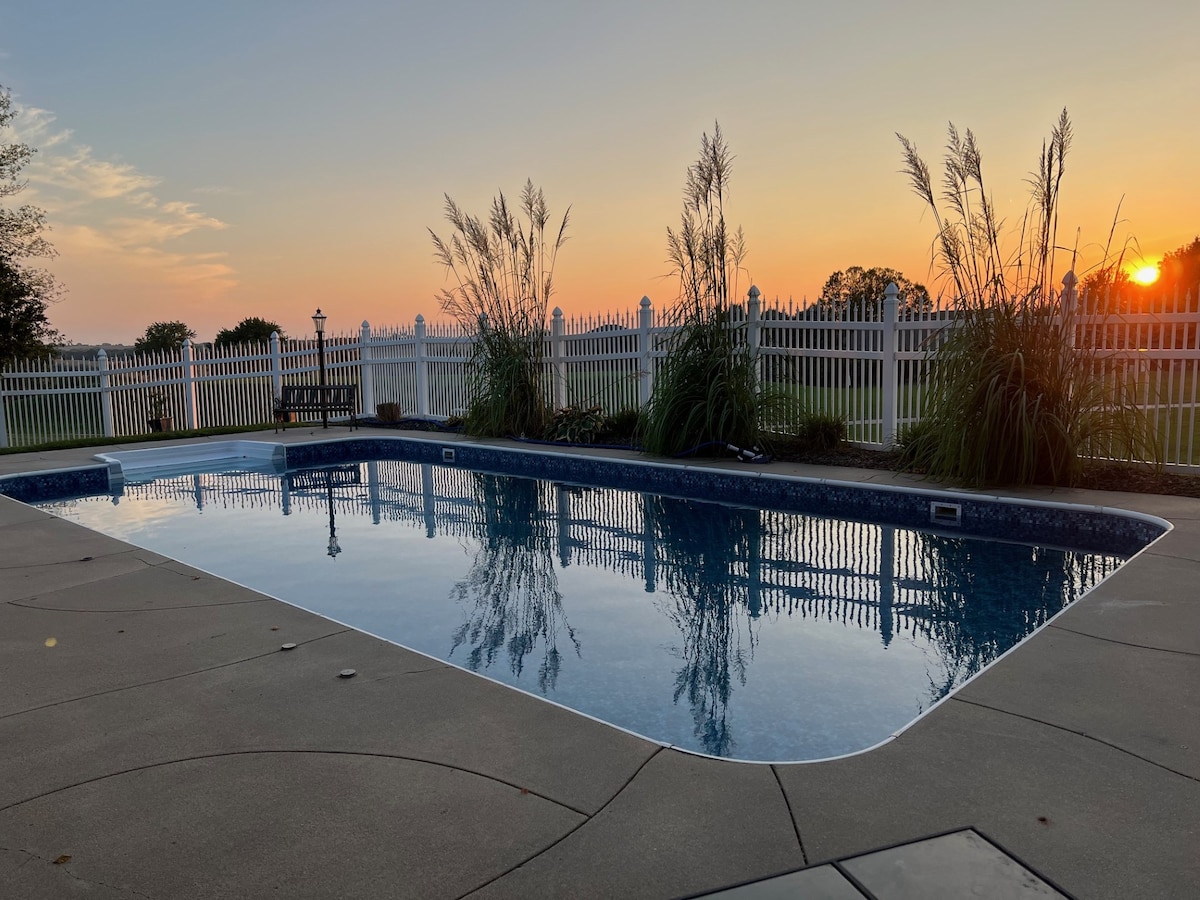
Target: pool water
x=737 y=632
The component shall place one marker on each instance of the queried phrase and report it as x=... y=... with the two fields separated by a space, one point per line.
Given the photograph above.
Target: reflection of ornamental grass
x=504 y=274
x=510 y=595
x=1010 y=398
x=700 y=547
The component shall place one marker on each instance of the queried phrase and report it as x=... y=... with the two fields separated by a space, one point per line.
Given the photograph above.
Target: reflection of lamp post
x=319 y=325
x=334 y=549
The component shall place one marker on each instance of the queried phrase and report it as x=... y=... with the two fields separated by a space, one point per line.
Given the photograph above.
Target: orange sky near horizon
x=209 y=165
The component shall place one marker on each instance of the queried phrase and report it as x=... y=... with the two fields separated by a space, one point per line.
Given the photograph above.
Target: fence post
x=422 y=368
x=366 y=369
x=276 y=368
x=558 y=368
x=106 y=417
x=645 y=360
x=888 y=368
x=754 y=329
x=189 y=387
x=1068 y=306
x=3 y=426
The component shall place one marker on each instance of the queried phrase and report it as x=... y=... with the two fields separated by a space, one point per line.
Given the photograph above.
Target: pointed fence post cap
x=645 y=301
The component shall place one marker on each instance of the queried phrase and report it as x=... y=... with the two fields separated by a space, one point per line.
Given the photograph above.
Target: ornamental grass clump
x=504 y=274
x=1011 y=398
x=706 y=388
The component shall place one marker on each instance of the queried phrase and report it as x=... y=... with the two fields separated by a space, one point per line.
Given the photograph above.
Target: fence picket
x=865 y=367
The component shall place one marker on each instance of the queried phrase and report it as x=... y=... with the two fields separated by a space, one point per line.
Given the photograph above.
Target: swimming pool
x=741 y=632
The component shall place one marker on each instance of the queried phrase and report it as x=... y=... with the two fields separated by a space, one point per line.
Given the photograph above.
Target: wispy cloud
x=203 y=276
x=109 y=207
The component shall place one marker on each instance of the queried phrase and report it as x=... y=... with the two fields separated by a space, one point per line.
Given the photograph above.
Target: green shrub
x=820 y=431
x=623 y=425
x=576 y=425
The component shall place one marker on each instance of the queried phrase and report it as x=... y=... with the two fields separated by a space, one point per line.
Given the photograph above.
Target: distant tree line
x=168 y=337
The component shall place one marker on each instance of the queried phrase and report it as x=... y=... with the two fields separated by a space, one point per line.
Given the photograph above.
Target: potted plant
x=160 y=419
x=281 y=412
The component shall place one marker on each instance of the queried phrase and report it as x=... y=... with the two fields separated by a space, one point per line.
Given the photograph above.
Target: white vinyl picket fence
x=863 y=365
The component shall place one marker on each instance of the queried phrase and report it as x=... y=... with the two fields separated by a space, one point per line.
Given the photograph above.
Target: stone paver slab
x=1144 y=701
x=817 y=883
x=684 y=824
x=289 y=825
x=1094 y=819
x=948 y=867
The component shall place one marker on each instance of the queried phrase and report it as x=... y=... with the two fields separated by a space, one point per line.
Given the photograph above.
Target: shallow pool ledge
x=123 y=464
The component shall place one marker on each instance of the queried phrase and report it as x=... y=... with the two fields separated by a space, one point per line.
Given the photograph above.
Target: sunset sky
x=218 y=160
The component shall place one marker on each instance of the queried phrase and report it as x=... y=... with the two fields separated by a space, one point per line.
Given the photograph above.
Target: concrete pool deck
x=156 y=742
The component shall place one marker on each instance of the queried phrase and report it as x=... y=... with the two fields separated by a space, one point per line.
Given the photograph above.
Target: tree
x=25 y=332
x=1109 y=289
x=25 y=291
x=1180 y=270
x=252 y=330
x=858 y=293
x=163 y=337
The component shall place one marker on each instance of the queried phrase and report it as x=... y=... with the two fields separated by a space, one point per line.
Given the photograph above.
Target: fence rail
x=864 y=364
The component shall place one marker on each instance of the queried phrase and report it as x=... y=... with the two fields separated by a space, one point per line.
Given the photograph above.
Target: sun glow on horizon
x=1145 y=274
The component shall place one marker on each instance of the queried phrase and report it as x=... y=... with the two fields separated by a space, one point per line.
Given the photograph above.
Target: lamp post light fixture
x=319 y=325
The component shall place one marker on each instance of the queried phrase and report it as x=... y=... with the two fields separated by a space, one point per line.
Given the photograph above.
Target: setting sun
x=1146 y=275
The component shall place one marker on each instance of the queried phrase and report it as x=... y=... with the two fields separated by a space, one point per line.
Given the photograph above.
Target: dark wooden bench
x=314 y=398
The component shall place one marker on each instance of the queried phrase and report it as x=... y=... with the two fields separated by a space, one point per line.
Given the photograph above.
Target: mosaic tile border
x=1093 y=529
x=1080 y=528
x=51 y=484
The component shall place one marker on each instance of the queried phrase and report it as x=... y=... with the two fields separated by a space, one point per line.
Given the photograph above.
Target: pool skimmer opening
x=945 y=513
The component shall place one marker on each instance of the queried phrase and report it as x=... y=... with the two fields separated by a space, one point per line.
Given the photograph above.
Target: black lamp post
x=319 y=325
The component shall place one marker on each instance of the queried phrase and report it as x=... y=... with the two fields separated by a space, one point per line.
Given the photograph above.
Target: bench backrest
x=309 y=395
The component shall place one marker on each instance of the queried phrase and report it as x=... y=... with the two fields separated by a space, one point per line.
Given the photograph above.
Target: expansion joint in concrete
x=166 y=678
x=1107 y=640
x=570 y=831
x=308 y=751
x=1082 y=734
x=791 y=814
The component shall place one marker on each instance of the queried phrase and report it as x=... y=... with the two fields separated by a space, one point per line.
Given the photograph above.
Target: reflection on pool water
x=738 y=632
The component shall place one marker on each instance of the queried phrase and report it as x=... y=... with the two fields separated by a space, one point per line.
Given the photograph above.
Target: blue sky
x=212 y=161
